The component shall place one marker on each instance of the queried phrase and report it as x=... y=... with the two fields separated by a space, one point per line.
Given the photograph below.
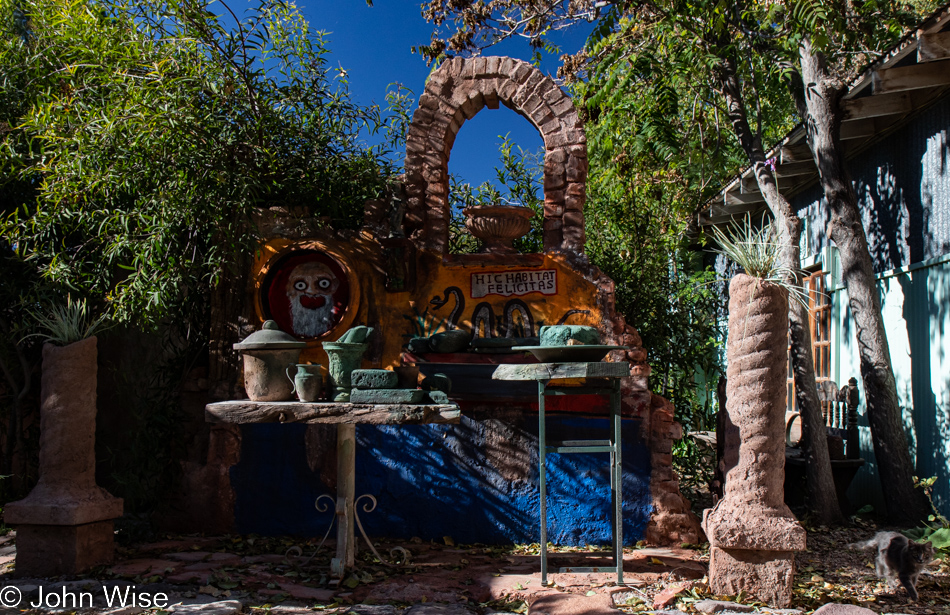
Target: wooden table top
x=247 y=411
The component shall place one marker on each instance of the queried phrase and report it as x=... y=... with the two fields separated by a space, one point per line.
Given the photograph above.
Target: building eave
x=881 y=99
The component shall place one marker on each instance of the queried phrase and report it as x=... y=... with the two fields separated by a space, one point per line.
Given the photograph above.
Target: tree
x=150 y=135
x=139 y=142
x=822 y=78
x=737 y=56
x=694 y=54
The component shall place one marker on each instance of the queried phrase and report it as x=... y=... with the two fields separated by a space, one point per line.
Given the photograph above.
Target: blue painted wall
x=903 y=188
x=475 y=482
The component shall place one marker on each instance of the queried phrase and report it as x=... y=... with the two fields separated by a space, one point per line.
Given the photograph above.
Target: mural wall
x=459 y=315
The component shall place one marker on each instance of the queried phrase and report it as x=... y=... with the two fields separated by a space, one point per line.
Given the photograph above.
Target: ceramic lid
x=270 y=337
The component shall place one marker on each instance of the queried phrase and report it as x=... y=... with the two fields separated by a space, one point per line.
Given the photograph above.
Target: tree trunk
x=820 y=488
x=822 y=111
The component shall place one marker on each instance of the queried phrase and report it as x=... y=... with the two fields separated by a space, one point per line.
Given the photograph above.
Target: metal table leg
x=611 y=446
x=542 y=454
x=616 y=490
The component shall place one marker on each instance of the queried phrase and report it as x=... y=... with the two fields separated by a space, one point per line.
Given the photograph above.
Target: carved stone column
x=752 y=533
x=64 y=526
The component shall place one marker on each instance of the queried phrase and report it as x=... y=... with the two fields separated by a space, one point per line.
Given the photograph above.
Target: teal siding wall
x=903 y=189
x=916 y=308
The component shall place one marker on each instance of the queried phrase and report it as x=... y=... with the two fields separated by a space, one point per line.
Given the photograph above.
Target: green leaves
x=147 y=134
x=757 y=249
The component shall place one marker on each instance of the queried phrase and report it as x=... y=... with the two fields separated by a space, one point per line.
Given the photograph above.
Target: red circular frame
x=274 y=302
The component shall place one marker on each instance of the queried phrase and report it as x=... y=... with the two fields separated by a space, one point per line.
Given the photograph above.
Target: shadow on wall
x=475 y=482
x=905 y=199
x=926 y=312
x=903 y=187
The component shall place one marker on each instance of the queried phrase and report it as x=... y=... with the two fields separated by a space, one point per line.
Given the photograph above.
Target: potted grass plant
x=65 y=523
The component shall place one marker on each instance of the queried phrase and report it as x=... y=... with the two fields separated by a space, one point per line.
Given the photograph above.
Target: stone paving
x=226 y=575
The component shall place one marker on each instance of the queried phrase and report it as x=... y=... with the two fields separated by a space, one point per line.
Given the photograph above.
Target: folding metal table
x=597 y=379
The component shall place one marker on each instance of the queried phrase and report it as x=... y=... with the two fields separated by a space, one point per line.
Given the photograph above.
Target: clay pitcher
x=307 y=382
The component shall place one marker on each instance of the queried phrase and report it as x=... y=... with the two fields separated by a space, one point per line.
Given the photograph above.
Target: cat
x=899 y=558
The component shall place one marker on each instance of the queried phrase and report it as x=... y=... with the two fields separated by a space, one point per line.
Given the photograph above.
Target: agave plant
x=758 y=251
x=64 y=324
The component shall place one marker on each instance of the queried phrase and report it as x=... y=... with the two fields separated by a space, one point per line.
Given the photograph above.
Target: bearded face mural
x=306 y=293
x=310 y=291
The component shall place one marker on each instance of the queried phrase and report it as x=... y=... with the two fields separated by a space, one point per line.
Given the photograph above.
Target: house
x=896 y=136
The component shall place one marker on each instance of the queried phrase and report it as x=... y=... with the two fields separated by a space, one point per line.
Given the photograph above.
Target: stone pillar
x=752 y=533
x=64 y=526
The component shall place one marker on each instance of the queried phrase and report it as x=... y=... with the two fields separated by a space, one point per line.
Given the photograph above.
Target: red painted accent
x=312 y=303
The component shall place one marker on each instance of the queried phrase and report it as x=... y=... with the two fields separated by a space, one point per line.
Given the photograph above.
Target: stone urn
x=267 y=355
x=497 y=226
x=64 y=526
x=344 y=357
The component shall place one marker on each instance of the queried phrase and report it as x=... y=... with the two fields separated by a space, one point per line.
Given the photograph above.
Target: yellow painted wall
x=396 y=314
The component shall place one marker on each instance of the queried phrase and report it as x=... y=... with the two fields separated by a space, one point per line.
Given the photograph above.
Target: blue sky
x=373 y=45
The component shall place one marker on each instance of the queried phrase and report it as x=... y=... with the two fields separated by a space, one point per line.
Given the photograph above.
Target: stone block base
x=53 y=550
x=767 y=575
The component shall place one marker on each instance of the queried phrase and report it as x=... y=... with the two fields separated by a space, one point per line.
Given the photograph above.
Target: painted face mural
x=310 y=291
x=306 y=293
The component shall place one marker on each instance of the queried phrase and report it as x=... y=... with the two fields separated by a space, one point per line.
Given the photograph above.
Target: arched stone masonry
x=458 y=90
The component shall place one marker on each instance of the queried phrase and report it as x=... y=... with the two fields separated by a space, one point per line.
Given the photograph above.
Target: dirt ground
x=264 y=572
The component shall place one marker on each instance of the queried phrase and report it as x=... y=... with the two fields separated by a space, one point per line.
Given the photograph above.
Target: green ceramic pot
x=344 y=358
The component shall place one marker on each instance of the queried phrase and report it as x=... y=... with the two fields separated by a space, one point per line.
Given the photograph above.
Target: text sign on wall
x=507 y=283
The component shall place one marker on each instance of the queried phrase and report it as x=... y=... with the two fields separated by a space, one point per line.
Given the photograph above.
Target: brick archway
x=458 y=90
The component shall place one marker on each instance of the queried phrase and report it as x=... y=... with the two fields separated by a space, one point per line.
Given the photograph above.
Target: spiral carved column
x=752 y=533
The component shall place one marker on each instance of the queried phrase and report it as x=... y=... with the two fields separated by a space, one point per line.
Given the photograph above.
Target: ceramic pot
x=267 y=355
x=344 y=358
x=307 y=382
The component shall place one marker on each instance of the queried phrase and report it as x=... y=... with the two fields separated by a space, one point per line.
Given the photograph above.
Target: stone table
x=345 y=416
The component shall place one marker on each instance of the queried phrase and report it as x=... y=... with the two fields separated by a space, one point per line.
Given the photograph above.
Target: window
x=819 y=319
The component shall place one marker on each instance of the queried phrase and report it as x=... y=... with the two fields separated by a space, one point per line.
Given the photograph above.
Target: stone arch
x=458 y=90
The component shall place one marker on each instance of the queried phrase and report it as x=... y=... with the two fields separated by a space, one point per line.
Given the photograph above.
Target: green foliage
x=850 y=34
x=757 y=249
x=695 y=466
x=654 y=153
x=937 y=529
x=754 y=248
x=139 y=141
x=664 y=292
x=141 y=137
